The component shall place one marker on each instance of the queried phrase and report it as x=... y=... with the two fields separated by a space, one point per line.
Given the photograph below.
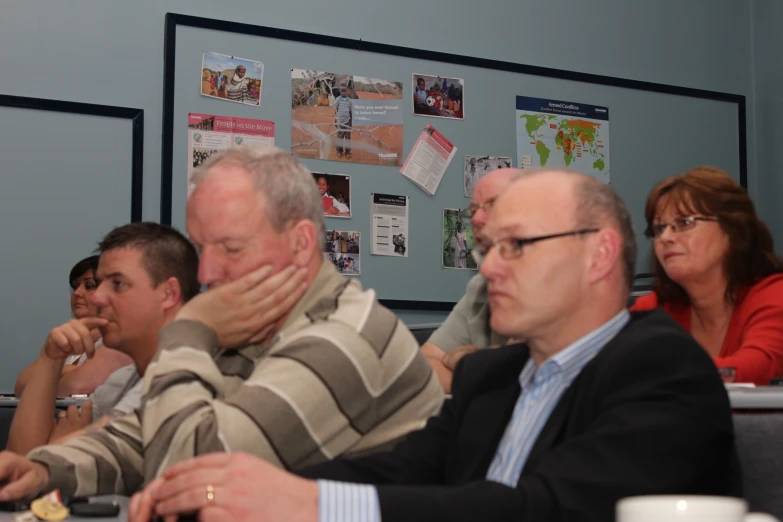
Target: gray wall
x=767 y=16
x=56 y=199
x=112 y=53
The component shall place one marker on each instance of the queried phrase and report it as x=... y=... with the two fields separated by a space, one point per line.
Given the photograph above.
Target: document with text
x=389 y=216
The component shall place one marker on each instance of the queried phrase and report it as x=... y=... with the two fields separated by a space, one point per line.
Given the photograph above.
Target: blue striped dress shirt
x=541 y=391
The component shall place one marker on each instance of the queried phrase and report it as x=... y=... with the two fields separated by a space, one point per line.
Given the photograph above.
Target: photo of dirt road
x=346 y=118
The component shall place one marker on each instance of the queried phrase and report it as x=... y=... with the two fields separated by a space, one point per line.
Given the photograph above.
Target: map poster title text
x=525 y=103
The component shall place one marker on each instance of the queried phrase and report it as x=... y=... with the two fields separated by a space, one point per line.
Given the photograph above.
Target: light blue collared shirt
x=542 y=389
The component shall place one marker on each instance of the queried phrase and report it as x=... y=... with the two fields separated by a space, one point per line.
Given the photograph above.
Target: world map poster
x=552 y=134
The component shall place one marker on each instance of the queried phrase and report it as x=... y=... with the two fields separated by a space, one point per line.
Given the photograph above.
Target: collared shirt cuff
x=345 y=502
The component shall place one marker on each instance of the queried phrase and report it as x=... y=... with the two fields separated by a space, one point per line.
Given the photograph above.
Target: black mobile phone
x=15 y=505
x=95 y=509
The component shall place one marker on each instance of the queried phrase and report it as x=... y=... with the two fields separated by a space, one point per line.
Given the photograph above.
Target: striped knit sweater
x=342 y=377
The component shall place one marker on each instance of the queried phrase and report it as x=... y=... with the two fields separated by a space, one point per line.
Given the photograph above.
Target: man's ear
x=304 y=241
x=172 y=293
x=606 y=254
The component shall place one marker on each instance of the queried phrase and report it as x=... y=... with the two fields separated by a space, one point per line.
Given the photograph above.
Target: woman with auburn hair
x=716 y=272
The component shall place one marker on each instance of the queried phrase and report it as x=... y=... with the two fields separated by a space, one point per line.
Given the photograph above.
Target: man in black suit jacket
x=597 y=405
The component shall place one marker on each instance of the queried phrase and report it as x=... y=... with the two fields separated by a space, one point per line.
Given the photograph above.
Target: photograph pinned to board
x=232 y=79
x=438 y=97
x=389 y=215
x=476 y=167
x=209 y=133
x=335 y=190
x=428 y=159
x=458 y=240
x=554 y=133
x=343 y=250
x=341 y=117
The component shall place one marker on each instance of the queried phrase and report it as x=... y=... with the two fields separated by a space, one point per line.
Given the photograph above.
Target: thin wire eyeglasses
x=486 y=206
x=680 y=224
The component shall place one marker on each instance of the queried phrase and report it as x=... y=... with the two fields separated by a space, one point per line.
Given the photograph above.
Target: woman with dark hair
x=83 y=282
x=716 y=272
x=78 y=377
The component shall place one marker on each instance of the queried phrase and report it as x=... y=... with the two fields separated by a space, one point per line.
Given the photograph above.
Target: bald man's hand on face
x=246 y=310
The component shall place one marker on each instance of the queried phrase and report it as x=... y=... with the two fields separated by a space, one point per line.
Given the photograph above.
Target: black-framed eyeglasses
x=511 y=248
x=680 y=224
x=486 y=206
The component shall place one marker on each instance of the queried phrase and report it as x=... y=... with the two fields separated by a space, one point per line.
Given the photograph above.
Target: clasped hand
x=227 y=486
x=75 y=337
x=22 y=478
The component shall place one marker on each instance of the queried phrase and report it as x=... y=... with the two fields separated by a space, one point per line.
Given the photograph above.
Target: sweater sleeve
x=757 y=351
x=318 y=394
x=459 y=328
x=99 y=462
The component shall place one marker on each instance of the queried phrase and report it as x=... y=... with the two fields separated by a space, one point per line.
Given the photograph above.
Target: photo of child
x=438 y=97
x=343 y=117
x=231 y=79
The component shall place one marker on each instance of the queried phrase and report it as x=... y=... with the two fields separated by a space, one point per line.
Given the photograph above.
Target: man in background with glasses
x=599 y=403
x=467 y=326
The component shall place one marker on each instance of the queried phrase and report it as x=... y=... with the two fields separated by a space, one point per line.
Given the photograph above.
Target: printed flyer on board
x=429 y=159
x=208 y=133
x=389 y=216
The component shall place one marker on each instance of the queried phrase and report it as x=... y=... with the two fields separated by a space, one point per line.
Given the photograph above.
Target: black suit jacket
x=648 y=415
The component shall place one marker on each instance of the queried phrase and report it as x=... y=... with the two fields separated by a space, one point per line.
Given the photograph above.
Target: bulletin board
x=656 y=131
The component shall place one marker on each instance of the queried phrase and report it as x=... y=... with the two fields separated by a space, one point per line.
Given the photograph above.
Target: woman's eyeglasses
x=680 y=224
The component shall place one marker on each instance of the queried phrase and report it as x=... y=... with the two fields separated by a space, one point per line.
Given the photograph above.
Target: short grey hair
x=290 y=193
x=596 y=203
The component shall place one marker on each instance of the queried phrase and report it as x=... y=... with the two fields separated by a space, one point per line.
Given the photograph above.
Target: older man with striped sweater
x=324 y=372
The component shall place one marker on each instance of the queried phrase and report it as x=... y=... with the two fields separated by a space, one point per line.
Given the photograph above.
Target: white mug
x=686 y=508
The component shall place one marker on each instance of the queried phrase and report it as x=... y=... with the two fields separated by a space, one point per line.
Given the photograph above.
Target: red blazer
x=754 y=340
